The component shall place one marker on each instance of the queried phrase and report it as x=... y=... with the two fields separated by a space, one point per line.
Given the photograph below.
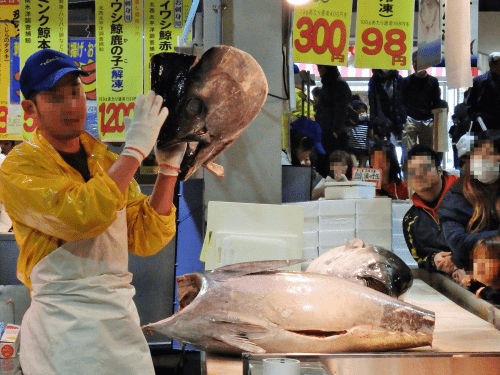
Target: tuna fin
x=246 y=268
x=236 y=334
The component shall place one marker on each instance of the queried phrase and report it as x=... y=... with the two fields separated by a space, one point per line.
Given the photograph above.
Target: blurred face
x=486 y=268
x=62 y=110
x=424 y=177
x=6 y=146
x=485 y=163
x=337 y=168
x=360 y=111
x=304 y=156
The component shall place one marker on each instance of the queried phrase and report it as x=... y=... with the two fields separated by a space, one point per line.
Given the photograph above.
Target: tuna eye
x=194 y=106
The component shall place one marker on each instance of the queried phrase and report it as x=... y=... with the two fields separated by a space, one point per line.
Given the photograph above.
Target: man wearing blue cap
x=76 y=212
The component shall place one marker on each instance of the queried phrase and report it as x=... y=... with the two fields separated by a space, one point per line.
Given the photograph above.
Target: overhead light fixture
x=299 y=2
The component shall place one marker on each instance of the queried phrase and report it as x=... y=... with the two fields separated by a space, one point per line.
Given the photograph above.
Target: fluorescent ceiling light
x=299 y=2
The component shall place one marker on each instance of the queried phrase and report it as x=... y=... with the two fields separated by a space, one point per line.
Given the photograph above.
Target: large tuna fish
x=247 y=308
x=211 y=101
x=368 y=265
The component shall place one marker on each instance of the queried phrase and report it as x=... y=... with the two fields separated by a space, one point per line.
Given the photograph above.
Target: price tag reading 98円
x=384 y=34
x=320 y=33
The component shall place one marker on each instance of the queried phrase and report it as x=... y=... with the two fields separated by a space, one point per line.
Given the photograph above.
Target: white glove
x=142 y=131
x=169 y=160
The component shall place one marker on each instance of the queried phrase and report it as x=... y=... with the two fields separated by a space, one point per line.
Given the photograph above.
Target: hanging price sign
x=120 y=66
x=384 y=34
x=321 y=32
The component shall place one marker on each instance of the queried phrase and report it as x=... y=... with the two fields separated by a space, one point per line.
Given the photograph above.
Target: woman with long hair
x=383 y=156
x=470 y=210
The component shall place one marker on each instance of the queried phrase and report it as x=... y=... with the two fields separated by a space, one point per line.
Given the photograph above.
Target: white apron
x=82 y=320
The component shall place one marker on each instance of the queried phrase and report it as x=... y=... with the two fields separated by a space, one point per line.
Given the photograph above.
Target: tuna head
x=274 y=311
x=368 y=265
x=211 y=101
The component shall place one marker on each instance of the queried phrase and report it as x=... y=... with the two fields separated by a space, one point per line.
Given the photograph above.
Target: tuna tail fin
x=246 y=268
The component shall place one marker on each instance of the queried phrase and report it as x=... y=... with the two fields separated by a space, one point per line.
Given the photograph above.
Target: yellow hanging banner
x=9 y=27
x=44 y=24
x=321 y=32
x=164 y=23
x=384 y=34
x=120 y=64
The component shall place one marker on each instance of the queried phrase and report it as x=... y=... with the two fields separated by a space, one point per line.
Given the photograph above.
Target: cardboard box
x=350 y=190
x=9 y=343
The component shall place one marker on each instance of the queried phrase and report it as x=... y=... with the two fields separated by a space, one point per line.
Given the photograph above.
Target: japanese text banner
x=321 y=32
x=120 y=67
x=9 y=15
x=164 y=22
x=44 y=24
x=384 y=34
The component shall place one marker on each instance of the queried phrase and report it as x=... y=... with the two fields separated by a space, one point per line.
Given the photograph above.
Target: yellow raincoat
x=50 y=203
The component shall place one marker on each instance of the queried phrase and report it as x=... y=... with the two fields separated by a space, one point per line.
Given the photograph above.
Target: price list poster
x=119 y=70
x=44 y=24
x=321 y=32
x=384 y=34
x=9 y=27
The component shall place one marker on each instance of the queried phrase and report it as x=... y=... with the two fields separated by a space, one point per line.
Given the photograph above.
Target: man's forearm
x=123 y=170
x=163 y=194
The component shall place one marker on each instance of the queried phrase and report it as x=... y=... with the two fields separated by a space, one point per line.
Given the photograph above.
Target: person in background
x=316 y=92
x=332 y=113
x=421 y=94
x=77 y=212
x=383 y=156
x=423 y=234
x=484 y=96
x=464 y=146
x=387 y=113
x=301 y=80
x=305 y=142
x=341 y=165
x=461 y=125
x=470 y=209
x=485 y=279
x=358 y=136
x=7 y=146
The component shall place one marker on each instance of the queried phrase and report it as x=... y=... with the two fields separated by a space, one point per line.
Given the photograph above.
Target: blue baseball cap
x=310 y=129
x=44 y=69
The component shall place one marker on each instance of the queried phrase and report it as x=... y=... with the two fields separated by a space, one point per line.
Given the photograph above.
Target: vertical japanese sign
x=14 y=120
x=44 y=24
x=119 y=47
x=164 y=23
x=82 y=51
x=321 y=32
x=384 y=34
x=9 y=27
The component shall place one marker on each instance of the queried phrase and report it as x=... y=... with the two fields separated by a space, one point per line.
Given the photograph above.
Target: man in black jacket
x=423 y=233
x=484 y=97
x=421 y=94
x=332 y=113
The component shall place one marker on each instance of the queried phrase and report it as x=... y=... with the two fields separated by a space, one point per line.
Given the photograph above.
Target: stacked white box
x=311 y=226
x=399 y=246
x=374 y=221
x=337 y=214
x=328 y=239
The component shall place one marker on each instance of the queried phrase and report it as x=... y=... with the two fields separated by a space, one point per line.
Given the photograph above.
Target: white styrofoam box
x=405 y=255
x=399 y=242
x=311 y=239
x=376 y=221
x=399 y=210
x=311 y=209
x=350 y=190
x=380 y=237
x=397 y=226
x=373 y=206
x=324 y=249
x=310 y=252
x=337 y=222
x=335 y=238
x=304 y=265
x=345 y=207
x=311 y=224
